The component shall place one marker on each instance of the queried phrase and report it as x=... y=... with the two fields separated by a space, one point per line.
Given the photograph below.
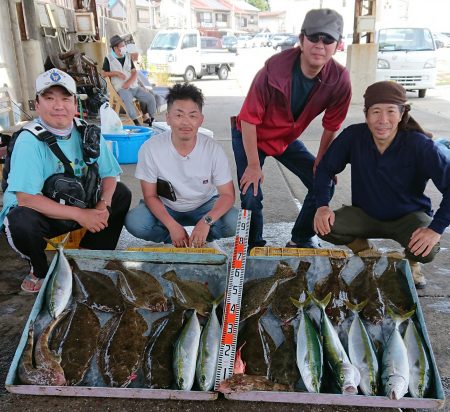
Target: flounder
x=394 y=287
x=258 y=293
x=283 y=368
x=191 y=294
x=334 y=284
x=282 y=306
x=258 y=348
x=121 y=345
x=139 y=288
x=158 y=355
x=96 y=290
x=364 y=287
x=75 y=340
x=43 y=373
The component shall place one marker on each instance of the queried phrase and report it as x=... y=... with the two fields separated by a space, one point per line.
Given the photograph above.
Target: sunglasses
x=326 y=38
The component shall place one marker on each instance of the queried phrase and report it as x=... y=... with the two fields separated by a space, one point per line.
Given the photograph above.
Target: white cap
x=55 y=77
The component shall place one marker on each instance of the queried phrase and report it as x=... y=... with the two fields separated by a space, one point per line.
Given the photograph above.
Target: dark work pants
x=26 y=229
x=299 y=161
x=352 y=222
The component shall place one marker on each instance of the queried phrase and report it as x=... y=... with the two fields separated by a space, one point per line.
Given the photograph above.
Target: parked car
x=260 y=39
x=210 y=43
x=406 y=53
x=230 y=43
x=244 y=41
x=277 y=39
x=291 y=41
x=444 y=38
x=180 y=52
x=438 y=41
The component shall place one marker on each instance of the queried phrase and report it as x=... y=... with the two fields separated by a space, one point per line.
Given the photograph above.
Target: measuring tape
x=235 y=285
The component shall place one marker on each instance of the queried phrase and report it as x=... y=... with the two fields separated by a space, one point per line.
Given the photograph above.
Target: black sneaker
x=307 y=244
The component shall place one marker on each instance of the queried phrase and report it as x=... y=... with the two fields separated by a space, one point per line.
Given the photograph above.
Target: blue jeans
x=300 y=162
x=141 y=223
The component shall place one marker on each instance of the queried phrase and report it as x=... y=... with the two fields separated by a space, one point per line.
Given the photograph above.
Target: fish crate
x=209 y=269
x=263 y=266
x=180 y=250
x=73 y=241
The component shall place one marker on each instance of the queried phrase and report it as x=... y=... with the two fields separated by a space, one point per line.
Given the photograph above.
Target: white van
x=178 y=52
x=408 y=56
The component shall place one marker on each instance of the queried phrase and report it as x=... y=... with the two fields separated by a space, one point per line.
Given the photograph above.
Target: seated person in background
x=28 y=216
x=120 y=68
x=392 y=159
x=199 y=171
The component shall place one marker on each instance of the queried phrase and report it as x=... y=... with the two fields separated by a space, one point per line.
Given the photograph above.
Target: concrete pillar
x=361 y=63
x=31 y=51
x=8 y=68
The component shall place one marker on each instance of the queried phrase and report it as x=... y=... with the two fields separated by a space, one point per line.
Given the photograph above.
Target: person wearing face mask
x=119 y=67
x=392 y=159
x=58 y=145
x=287 y=94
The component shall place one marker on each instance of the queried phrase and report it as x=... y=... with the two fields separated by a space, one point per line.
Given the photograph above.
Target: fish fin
x=170 y=275
x=321 y=303
x=356 y=307
x=299 y=304
x=400 y=317
x=58 y=245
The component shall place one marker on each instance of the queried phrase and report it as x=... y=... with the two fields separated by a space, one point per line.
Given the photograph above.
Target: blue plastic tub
x=125 y=147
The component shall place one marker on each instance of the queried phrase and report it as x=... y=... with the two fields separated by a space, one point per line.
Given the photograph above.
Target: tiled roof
x=239 y=6
x=209 y=5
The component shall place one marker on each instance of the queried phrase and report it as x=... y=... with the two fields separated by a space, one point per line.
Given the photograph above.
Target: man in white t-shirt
x=198 y=170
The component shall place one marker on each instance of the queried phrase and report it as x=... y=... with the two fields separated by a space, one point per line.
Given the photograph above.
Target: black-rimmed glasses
x=326 y=38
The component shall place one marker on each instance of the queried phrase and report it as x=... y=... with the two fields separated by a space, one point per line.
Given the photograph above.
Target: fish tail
x=299 y=304
x=58 y=245
x=399 y=318
x=320 y=303
x=357 y=307
x=170 y=275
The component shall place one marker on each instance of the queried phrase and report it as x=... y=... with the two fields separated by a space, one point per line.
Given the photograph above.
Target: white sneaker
x=214 y=245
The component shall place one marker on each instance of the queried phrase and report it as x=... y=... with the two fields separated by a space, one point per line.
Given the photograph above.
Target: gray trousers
x=143 y=96
x=352 y=222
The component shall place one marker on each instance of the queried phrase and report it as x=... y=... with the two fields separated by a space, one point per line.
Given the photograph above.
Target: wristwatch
x=208 y=220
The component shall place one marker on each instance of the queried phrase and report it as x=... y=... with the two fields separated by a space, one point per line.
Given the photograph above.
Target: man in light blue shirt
x=27 y=215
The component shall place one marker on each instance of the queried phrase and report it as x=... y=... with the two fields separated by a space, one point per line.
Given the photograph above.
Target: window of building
x=205 y=17
x=143 y=16
x=222 y=17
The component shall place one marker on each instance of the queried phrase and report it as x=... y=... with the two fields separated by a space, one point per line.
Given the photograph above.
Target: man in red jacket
x=292 y=88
